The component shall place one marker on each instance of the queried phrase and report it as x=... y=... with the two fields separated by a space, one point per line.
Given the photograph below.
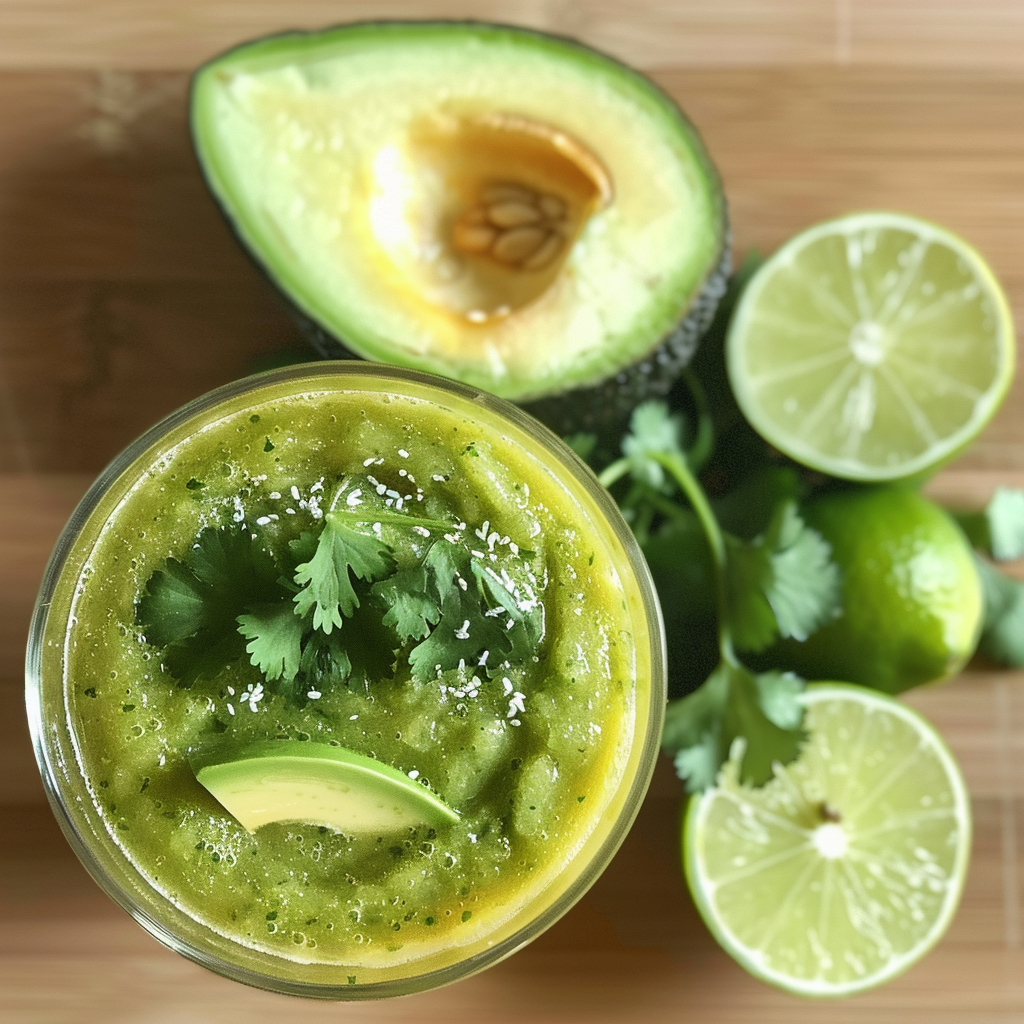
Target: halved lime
x=847 y=866
x=872 y=347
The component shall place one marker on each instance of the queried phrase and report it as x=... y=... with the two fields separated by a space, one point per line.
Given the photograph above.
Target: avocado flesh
x=320 y=784
x=498 y=206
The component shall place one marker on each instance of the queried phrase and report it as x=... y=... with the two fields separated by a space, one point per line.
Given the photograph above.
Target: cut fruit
x=847 y=866
x=499 y=206
x=873 y=347
x=291 y=780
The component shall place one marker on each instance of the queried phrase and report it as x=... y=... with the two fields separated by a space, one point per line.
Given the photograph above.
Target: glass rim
x=649 y=742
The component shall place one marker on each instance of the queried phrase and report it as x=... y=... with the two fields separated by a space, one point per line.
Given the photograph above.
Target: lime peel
x=848 y=866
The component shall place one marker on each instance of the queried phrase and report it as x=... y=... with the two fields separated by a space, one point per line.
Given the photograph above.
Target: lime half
x=872 y=347
x=848 y=865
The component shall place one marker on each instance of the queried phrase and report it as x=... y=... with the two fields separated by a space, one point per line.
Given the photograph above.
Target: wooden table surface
x=122 y=295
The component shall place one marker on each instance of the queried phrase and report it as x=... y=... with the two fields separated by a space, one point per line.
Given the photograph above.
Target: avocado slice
x=294 y=780
x=496 y=205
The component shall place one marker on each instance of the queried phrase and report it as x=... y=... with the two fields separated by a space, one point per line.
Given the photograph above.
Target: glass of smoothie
x=346 y=681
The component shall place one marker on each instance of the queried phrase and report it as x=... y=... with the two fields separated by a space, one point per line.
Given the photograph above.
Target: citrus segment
x=848 y=865
x=872 y=347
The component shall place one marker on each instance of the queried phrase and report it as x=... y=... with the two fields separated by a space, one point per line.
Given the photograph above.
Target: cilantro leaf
x=652 y=429
x=733 y=703
x=783 y=583
x=410 y=610
x=275 y=633
x=327 y=589
x=524 y=620
x=477 y=613
x=1002 y=631
x=462 y=634
x=325 y=660
x=583 y=444
x=998 y=529
x=190 y=607
x=414 y=596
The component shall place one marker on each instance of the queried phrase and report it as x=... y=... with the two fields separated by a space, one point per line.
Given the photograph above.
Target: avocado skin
x=603 y=408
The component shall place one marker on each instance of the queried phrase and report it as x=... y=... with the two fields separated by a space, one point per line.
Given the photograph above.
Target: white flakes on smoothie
x=238 y=515
x=421 y=530
x=403 y=453
x=231 y=709
x=295 y=493
x=275 y=495
x=355 y=498
x=414 y=774
x=507 y=685
x=314 y=694
x=368 y=462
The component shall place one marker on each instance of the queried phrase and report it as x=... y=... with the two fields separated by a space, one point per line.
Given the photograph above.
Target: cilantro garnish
x=998 y=529
x=781 y=583
x=327 y=589
x=275 y=633
x=1002 y=631
x=190 y=608
x=784 y=583
x=337 y=605
x=763 y=711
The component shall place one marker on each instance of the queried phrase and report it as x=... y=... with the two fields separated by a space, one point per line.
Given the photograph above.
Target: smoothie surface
x=530 y=752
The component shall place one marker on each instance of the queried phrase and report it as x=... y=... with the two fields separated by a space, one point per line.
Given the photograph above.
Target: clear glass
x=57 y=745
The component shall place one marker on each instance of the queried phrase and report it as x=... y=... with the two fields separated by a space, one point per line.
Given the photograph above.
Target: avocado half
x=496 y=205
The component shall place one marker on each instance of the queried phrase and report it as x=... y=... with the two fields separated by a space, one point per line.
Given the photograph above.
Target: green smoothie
x=364 y=564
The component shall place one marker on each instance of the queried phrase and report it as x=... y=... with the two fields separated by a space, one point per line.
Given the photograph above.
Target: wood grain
x=123 y=294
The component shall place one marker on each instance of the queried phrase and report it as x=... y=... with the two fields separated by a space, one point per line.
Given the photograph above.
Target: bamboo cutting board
x=122 y=296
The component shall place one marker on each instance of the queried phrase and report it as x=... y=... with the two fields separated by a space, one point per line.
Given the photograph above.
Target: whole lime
x=912 y=599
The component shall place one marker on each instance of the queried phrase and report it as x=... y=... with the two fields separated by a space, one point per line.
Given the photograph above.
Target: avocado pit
x=479 y=213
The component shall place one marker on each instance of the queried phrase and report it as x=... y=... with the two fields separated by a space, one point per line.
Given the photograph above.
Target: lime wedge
x=872 y=347
x=848 y=865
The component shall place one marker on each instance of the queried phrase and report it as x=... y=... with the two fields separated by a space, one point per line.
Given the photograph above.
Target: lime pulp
x=872 y=347
x=848 y=865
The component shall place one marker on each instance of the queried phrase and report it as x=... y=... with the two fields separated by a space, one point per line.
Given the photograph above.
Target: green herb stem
x=700 y=451
x=613 y=473
x=688 y=484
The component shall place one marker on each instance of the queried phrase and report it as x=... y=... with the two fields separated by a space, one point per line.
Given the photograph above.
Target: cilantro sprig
x=780 y=583
x=997 y=531
x=339 y=604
